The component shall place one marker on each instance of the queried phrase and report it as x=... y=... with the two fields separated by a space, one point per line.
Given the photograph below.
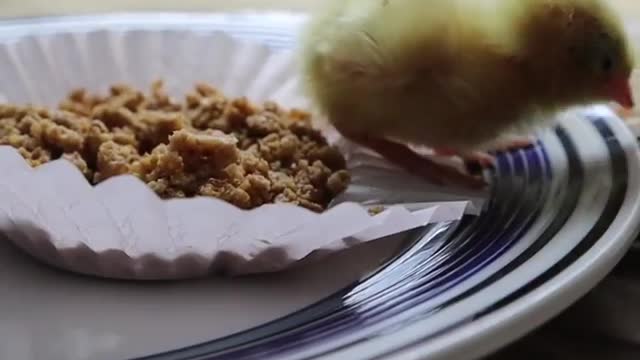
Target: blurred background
x=11 y=8
x=48 y=7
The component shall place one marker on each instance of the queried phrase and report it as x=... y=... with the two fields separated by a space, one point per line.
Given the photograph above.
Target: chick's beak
x=619 y=90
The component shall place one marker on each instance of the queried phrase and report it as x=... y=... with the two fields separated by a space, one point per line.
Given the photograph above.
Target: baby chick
x=459 y=76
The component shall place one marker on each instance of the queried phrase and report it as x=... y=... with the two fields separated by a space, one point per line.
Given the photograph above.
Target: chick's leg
x=406 y=158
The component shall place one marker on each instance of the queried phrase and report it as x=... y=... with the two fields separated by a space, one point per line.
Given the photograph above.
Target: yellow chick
x=459 y=76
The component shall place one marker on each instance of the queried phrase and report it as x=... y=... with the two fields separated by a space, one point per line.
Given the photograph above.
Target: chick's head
x=590 y=52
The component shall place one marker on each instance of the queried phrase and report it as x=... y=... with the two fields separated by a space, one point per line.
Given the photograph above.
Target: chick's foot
x=484 y=158
x=412 y=162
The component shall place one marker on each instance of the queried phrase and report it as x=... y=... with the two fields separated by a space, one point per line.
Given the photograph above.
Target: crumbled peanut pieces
x=375 y=210
x=210 y=145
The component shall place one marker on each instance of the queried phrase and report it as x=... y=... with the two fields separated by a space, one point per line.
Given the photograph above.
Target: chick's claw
x=514 y=143
x=481 y=158
x=440 y=174
x=412 y=162
x=478 y=157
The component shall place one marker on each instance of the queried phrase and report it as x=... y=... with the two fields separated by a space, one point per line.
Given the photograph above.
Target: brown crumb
x=375 y=210
x=115 y=159
x=76 y=159
x=209 y=145
x=208 y=148
x=338 y=182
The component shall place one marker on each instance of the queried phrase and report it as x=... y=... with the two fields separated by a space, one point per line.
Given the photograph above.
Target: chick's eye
x=606 y=64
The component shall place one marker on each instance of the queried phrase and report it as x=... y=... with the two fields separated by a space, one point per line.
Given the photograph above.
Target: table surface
x=602 y=323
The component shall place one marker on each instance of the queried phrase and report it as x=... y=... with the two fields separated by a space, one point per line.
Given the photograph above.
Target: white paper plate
x=560 y=217
x=121 y=229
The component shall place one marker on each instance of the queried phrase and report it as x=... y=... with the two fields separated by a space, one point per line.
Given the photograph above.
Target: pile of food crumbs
x=208 y=145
